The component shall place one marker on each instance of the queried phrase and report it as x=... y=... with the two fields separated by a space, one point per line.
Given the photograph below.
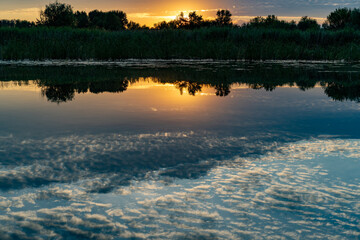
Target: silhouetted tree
x=307 y=23
x=181 y=21
x=82 y=20
x=96 y=18
x=223 y=18
x=256 y=22
x=355 y=18
x=16 y=23
x=208 y=23
x=338 y=19
x=57 y=15
x=113 y=20
x=271 y=21
x=135 y=26
x=7 y=23
x=161 y=25
x=116 y=20
x=195 y=20
x=274 y=22
x=24 y=24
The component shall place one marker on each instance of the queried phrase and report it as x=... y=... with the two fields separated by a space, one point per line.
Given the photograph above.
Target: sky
x=152 y=11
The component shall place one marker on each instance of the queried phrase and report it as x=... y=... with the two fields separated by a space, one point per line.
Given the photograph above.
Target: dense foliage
x=343 y=18
x=57 y=15
x=16 y=23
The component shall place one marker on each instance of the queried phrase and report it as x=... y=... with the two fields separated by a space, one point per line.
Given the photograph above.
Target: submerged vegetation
x=62 y=33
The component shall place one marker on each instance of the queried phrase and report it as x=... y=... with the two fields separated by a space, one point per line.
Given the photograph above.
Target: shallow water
x=174 y=149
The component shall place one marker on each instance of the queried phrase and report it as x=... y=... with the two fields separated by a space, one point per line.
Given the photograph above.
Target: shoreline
x=145 y=62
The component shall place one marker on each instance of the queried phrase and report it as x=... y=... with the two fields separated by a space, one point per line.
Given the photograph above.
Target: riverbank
x=205 y=43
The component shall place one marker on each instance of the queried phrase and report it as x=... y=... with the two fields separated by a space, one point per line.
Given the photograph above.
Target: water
x=181 y=150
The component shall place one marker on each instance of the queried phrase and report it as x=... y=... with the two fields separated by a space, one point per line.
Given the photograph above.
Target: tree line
x=340 y=18
x=62 y=15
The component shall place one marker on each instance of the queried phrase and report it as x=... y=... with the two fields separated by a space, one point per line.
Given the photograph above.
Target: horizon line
x=147 y=18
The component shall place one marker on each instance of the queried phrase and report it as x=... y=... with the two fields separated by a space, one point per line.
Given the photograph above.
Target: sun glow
x=149 y=15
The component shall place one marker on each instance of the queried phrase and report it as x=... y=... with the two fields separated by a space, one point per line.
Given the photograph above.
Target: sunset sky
x=151 y=11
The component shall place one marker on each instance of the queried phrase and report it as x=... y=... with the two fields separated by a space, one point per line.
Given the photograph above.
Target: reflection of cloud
x=105 y=161
x=241 y=198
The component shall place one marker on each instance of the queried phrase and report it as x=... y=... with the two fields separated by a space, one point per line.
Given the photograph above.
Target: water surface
x=175 y=149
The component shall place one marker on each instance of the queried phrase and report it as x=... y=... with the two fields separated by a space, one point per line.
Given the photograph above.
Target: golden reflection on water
x=142 y=93
x=141 y=83
x=167 y=91
x=145 y=96
x=19 y=86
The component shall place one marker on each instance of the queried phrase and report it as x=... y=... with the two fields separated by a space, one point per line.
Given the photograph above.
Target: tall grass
x=215 y=42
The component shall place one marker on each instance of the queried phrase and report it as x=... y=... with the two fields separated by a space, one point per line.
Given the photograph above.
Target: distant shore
x=219 y=43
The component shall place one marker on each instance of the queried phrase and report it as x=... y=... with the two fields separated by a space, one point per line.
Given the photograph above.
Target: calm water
x=180 y=150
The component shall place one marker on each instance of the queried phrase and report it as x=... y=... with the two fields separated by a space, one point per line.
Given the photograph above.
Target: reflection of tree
x=113 y=86
x=59 y=84
x=305 y=85
x=222 y=89
x=63 y=93
x=341 y=92
x=255 y=86
x=58 y=94
x=191 y=87
x=267 y=86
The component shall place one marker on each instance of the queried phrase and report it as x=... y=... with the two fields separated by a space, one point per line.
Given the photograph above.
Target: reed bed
x=205 y=43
